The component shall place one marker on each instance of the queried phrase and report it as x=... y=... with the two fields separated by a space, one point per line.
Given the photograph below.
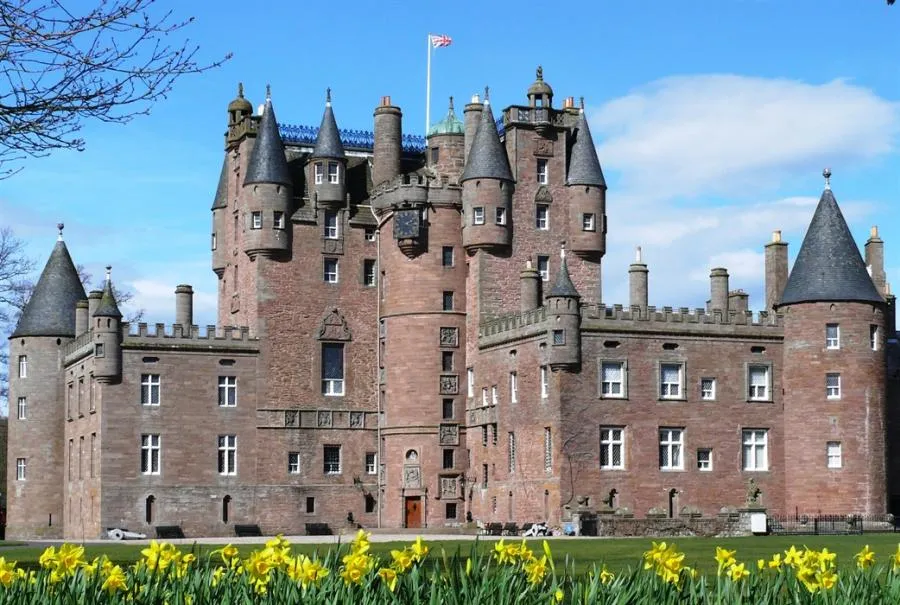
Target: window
x=331 y=224
x=543 y=267
x=150 y=384
x=484 y=396
x=494 y=433
x=333 y=173
x=319 y=173
x=548 y=450
x=511 y=452
x=22 y=409
x=450 y=510
x=833 y=386
x=759 y=383
x=832 y=336
x=484 y=476
x=873 y=337
x=833 y=454
x=756 y=456
x=369 y=272
x=310 y=505
x=501 y=216
x=545 y=383
x=484 y=434
x=71 y=465
x=542 y=172
x=446 y=361
x=333 y=369
x=371 y=465
x=80 y=396
x=707 y=389
x=278 y=219
x=435 y=154
x=23 y=370
x=228 y=454
x=470 y=377
x=330 y=274
x=513 y=387
x=670 y=377
x=369 y=234
x=448 y=460
x=214 y=244
x=447 y=301
x=294 y=463
x=150 y=454
x=478 y=215
x=612 y=379
x=612 y=448
x=81 y=457
x=256 y=220
x=671 y=445
x=20 y=469
x=447 y=409
x=332 y=460
x=704 y=459
x=370 y=503
x=447 y=256
x=587 y=222
x=93 y=453
x=559 y=337
x=98 y=350
x=494 y=395
x=227 y=391
x=542 y=217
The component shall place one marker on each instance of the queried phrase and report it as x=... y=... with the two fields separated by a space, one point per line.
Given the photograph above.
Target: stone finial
x=108 y=273
x=827 y=174
x=637 y=255
x=327 y=96
x=60 y=227
x=451 y=103
x=539 y=73
x=268 y=92
x=240 y=90
x=487 y=95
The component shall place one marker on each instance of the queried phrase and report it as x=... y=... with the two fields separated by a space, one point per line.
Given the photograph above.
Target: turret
x=106 y=322
x=638 y=282
x=239 y=112
x=776 y=269
x=530 y=281
x=833 y=377
x=487 y=188
x=587 y=195
x=565 y=320
x=388 y=142
x=718 y=290
x=267 y=191
x=328 y=163
x=82 y=318
x=93 y=302
x=446 y=147
x=219 y=206
x=184 y=306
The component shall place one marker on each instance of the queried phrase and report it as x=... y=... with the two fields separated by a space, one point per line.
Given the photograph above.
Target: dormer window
x=333 y=175
x=319 y=174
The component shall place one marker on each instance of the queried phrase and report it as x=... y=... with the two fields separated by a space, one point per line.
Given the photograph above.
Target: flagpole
x=428 y=90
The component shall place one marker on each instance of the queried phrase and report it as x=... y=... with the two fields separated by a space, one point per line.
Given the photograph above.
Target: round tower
x=565 y=321
x=834 y=374
x=219 y=206
x=328 y=163
x=487 y=188
x=472 y=118
x=446 y=147
x=106 y=324
x=586 y=187
x=268 y=190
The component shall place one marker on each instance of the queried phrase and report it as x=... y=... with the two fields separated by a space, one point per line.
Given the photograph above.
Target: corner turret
x=487 y=187
x=328 y=163
x=220 y=204
x=587 y=191
x=565 y=316
x=239 y=112
x=268 y=191
x=106 y=322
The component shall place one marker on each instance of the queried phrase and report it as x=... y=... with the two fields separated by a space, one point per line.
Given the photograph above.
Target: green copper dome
x=449 y=125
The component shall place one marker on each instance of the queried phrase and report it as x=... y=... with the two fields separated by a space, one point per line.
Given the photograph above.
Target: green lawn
x=616 y=553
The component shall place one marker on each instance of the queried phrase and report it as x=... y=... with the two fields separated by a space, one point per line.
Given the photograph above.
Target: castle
x=411 y=333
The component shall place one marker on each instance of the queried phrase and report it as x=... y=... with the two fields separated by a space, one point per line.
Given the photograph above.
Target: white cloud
x=157 y=298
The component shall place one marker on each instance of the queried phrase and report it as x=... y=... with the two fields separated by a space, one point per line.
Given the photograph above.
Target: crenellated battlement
x=132 y=332
x=415 y=189
x=683 y=315
x=512 y=321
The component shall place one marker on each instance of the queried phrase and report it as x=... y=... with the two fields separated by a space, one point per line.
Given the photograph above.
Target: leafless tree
x=62 y=62
x=15 y=286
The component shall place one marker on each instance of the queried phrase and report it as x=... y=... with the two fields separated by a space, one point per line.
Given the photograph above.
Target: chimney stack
x=184 y=306
x=94 y=297
x=529 y=280
x=81 y=317
x=718 y=286
x=776 y=270
x=471 y=118
x=638 y=282
x=388 y=142
x=875 y=260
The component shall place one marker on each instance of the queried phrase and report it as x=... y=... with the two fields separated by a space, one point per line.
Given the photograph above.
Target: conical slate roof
x=584 y=166
x=564 y=285
x=829 y=266
x=487 y=157
x=267 y=162
x=51 y=309
x=328 y=141
x=108 y=306
x=221 y=199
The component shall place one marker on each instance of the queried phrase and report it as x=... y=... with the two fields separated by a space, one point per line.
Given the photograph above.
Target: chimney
x=530 y=280
x=739 y=301
x=81 y=317
x=718 y=287
x=471 y=118
x=875 y=260
x=776 y=270
x=94 y=297
x=638 y=282
x=890 y=315
x=388 y=142
x=184 y=306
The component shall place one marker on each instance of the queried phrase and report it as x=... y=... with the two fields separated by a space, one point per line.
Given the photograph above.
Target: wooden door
x=414 y=511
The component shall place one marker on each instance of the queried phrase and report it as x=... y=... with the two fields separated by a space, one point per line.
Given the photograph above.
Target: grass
x=617 y=553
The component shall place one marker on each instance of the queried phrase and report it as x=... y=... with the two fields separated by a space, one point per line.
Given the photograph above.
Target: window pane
x=333 y=361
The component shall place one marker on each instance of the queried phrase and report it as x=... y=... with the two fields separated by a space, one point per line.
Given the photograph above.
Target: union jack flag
x=441 y=40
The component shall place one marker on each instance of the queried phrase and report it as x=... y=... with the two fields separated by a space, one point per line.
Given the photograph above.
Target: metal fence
x=821 y=524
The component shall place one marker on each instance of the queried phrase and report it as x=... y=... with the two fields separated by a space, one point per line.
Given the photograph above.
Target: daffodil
x=389 y=577
x=419 y=549
x=606 y=576
x=865 y=558
x=115 y=580
x=725 y=558
x=737 y=572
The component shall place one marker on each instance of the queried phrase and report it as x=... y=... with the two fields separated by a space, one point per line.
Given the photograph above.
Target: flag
x=440 y=40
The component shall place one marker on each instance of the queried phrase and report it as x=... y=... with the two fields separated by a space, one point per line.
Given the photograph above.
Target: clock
x=406 y=224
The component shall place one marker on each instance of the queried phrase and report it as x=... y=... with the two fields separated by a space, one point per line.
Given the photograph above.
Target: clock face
x=406 y=224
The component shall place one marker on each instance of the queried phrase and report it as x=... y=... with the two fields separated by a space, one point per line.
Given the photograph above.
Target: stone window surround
x=612 y=441
x=750 y=438
x=624 y=382
x=682 y=378
x=769 y=373
x=671 y=439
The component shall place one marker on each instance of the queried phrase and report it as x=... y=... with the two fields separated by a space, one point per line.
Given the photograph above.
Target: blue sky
x=713 y=121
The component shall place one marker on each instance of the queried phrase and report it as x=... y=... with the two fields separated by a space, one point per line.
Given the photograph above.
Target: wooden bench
x=318 y=529
x=247 y=531
x=169 y=532
x=511 y=529
x=494 y=529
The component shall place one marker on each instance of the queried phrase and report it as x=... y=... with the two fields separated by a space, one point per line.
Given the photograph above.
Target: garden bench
x=511 y=529
x=169 y=532
x=318 y=529
x=494 y=529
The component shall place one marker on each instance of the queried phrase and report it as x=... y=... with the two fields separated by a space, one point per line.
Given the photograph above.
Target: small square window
x=587 y=222
x=256 y=220
x=501 y=216
x=447 y=301
x=559 y=337
x=833 y=454
x=277 y=219
x=478 y=215
x=448 y=460
x=371 y=463
x=446 y=361
x=98 y=350
x=294 y=463
x=310 y=505
x=369 y=272
x=447 y=409
x=450 y=510
x=704 y=459
x=833 y=386
x=542 y=217
x=707 y=389
x=333 y=173
x=330 y=270
x=543 y=267
x=447 y=256
x=832 y=336
x=369 y=234
x=543 y=176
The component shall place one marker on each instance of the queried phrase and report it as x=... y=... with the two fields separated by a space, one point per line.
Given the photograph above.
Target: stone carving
x=291 y=418
x=412 y=476
x=543 y=147
x=449 y=434
x=357 y=420
x=449 y=337
x=323 y=419
x=449 y=487
x=753 y=491
x=332 y=246
x=543 y=195
x=334 y=327
x=449 y=384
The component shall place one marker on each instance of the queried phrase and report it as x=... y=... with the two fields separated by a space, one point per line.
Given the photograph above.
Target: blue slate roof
x=487 y=157
x=584 y=166
x=267 y=162
x=51 y=309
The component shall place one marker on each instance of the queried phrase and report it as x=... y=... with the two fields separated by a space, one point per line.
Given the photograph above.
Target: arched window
x=412 y=456
x=226 y=508
x=149 y=512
